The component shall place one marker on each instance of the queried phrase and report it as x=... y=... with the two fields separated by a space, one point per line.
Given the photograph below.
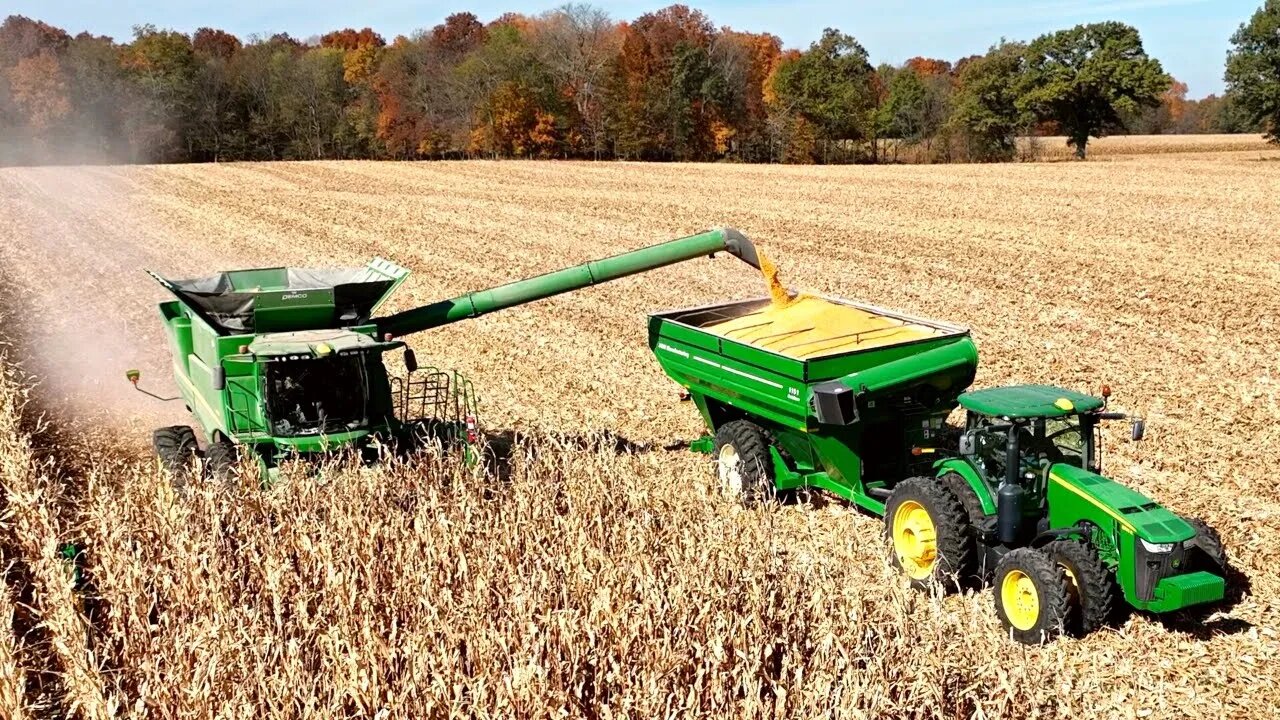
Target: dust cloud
x=77 y=308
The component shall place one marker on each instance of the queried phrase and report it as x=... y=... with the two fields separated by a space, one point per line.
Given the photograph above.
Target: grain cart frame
x=868 y=425
x=288 y=362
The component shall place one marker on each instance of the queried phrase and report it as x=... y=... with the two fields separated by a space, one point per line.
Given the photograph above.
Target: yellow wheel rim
x=915 y=540
x=1020 y=599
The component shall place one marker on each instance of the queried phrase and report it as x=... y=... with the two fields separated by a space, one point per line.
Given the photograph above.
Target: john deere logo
x=294 y=296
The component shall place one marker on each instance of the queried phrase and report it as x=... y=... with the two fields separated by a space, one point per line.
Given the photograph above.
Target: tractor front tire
x=220 y=461
x=176 y=447
x=744 y=465
x=1209 y=543
x=1090 y=587
x=1031 y=596
x=929 y=532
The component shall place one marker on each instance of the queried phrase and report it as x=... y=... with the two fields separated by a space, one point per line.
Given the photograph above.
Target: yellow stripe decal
x=1094 y=501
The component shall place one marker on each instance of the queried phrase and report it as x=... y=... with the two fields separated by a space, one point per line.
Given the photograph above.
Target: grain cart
x=853 y=399
x=287 y=362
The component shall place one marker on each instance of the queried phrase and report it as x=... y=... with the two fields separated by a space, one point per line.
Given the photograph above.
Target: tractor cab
x=1012 y=434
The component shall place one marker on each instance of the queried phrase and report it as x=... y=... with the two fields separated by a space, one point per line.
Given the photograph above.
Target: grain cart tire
x=1208 y=543
x=1090 y=587
x=743 y=463
x=220 y=461
x=1031 y=596
x=176 y=447
x=929 y=533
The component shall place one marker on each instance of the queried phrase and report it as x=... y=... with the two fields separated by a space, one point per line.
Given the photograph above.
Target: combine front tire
x=743 y=462
x=929 y=531
x=176 y=447
x=1031 y=596
x=220 y=460
x=1090 y=588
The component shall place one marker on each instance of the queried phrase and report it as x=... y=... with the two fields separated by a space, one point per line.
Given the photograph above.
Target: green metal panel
x=1028 y=401
x=1076 y=494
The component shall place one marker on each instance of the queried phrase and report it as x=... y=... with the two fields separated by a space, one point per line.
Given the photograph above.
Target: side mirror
x=1137 y=429
x=410 y=360
x=219 y=378
x=966 y=444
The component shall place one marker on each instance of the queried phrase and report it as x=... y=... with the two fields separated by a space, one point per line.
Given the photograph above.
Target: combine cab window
x=316 y=396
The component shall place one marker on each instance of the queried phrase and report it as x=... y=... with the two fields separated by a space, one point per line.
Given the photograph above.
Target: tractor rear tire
x=1031 y=596
x=1209 y=544
x=176 y=447
x=744 y=465
x=220 y=461
x=1091 y=589
x=928 y=530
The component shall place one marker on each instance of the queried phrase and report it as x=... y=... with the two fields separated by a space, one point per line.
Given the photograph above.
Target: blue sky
x=1189 y=36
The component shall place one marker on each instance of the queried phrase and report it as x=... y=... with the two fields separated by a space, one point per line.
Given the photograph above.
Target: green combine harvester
x=281 y=363
x=284 y=363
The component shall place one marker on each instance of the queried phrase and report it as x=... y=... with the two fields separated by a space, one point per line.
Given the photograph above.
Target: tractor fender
x=962 y=468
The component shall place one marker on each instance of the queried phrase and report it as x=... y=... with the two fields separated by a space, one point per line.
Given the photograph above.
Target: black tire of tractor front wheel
x=1051 y=592
x=1209 y=544
x=220 y=461
x=750 y=444
x=1092 y=593
x=176 y=447
x=955 y=554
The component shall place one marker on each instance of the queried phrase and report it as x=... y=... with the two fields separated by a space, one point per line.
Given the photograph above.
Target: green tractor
x=859 y=409
x=281 y=363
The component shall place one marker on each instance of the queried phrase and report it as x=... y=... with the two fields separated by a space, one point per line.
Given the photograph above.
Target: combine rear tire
x=220 y=461
x=1090 y=588
x=176 y=447
x=929 y=531
x=1031 y=596
x=743 y=463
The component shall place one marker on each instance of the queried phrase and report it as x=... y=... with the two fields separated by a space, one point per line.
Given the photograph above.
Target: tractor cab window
x=1056 y=440
x=988 y=446
x=317 y=396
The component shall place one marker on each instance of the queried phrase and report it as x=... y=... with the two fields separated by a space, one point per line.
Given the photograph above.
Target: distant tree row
x=573 y=83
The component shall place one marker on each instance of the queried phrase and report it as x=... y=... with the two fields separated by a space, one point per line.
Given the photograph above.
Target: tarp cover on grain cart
x=286 y=298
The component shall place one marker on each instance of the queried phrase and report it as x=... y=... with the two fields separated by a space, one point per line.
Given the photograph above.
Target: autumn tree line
x=574 y=83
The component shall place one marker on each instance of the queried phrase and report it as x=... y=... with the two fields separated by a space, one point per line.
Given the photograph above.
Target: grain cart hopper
x=287 y=362
x=852 y=399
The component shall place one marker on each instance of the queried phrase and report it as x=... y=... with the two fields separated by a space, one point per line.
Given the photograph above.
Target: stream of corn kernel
x=805 y=326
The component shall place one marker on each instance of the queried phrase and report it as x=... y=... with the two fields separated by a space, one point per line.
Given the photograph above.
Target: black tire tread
x=220 y=460
x=956 y=548
x=176 y=447
x=1051 y=585
x=752 y=443
x=1095 y=584
x=1209 y=542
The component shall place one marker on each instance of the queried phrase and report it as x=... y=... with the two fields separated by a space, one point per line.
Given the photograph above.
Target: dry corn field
x=603 y=575
x=1145 y=146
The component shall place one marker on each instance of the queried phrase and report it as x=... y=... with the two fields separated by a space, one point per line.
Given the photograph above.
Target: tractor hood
x=1133 y=511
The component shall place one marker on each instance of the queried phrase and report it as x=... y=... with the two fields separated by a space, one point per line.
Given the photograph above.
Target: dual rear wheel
x=1039 y=593
x=177 y=449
